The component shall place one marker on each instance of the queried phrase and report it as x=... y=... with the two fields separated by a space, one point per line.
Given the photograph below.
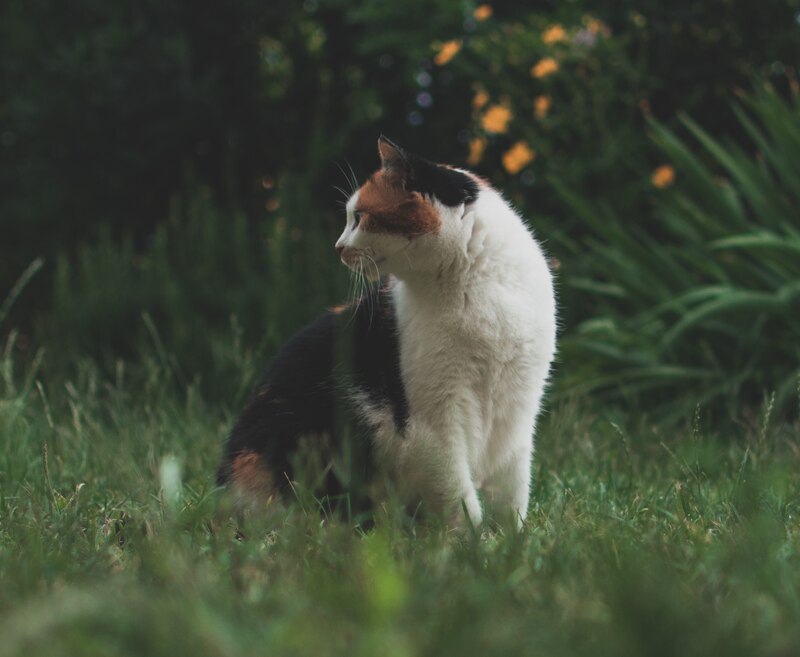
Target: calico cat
x=441 y=367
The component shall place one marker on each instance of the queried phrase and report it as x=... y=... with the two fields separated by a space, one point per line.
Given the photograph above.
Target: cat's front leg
x=438 y=471
x=507 y=489
x=459 y=505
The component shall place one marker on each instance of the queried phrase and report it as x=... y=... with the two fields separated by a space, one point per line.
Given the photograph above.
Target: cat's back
x=503 y=237
x=506 y=295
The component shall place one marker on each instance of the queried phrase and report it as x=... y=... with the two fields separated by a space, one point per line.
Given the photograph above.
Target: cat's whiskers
x=349 y=177
x=364 y=285
x=342 y=192
x=374 y=265
x=365 y=259
x=360 y=285
x=339 y=166
x=353 y=178
x=357 y=287
x=352 y=294
x=408 y=257
x=377 y=278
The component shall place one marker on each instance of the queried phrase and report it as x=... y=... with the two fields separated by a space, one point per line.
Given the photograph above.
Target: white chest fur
x=476 y=342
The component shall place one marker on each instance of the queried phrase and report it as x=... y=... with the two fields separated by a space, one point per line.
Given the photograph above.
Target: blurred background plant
x=174 y=165
x=700 y=303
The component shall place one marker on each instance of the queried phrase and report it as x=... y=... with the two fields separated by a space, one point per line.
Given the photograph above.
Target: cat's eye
x=357 y=218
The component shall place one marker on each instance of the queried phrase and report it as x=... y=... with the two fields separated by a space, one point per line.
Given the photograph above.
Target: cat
x=443 y=365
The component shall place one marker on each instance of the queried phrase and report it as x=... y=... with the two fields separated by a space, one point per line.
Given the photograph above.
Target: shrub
x=206 y=281
x=698 y=303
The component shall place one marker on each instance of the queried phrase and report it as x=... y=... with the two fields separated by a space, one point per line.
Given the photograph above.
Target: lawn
x=113 y=541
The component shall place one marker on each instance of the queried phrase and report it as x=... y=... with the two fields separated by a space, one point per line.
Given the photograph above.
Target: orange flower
x=476 y=148
x=544 y=67
x=554 y=34
x=481 y=98
x=447 y=51
x=541 y=106
x=482 y=12
x=595 y=25
x=516 y=158
x=663 y=176
x=496 y=119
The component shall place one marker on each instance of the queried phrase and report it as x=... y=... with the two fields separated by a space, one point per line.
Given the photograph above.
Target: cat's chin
x=373 y=270
x=368 y=267
x=369 y=272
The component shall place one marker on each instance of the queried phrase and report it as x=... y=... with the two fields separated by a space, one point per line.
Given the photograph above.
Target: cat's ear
x=394 y=160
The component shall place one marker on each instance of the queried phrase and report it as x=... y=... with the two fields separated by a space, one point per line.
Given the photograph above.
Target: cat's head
x=406 y=217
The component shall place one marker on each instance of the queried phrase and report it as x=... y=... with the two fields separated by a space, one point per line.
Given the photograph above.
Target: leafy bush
x=553 y=96
x=207 y=281
x=107 y=106
x=701 y=305
x=567 y=89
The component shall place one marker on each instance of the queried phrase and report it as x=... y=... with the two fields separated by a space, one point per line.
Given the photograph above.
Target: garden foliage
x=174 y=166
x=697 y=300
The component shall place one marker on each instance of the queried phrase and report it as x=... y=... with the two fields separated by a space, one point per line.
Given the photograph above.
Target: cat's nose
x=339 y=250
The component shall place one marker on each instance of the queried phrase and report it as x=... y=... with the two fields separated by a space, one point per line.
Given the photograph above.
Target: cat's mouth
x=361 y=262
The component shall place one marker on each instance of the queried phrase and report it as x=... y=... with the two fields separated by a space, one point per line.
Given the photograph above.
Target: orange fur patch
x=251 y=477
x=388 y=208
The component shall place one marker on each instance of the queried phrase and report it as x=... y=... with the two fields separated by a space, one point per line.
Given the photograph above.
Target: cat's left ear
x=394 y=160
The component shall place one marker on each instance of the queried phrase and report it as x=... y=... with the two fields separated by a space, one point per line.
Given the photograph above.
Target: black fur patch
x=376 y=354
x=305 y=391
x=451 y=187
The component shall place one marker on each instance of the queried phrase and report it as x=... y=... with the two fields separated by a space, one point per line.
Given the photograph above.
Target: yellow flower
x=482 y=12
x=663 y=176
x=595 y=25
x=496 y=119
x=481 y=98
x=554 y=34
x=447 y=51
x=516 y=158
x=476 y=148
x=541 y=106
x=544 y=67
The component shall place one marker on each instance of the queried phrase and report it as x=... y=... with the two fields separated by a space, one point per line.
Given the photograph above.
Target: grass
x=113 y=542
